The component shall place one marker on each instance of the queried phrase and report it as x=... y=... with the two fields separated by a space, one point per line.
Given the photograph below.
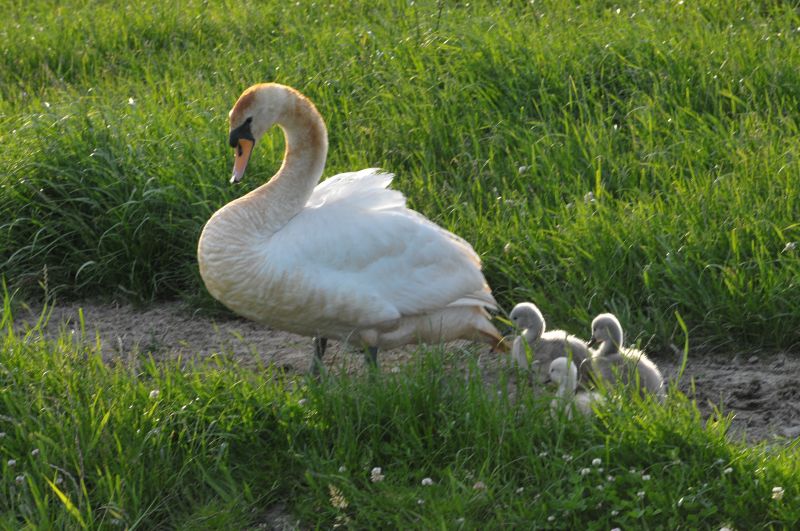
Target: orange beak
x=242 y=153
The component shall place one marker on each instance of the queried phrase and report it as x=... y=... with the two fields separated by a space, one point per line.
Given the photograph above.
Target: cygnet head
x=526 y=316
x=564 y=372
x=606 y=330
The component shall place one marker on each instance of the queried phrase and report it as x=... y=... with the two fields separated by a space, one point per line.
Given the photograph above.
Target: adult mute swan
x=564 y=372
x=544 y=346
x=344 y=259
x=612 y=361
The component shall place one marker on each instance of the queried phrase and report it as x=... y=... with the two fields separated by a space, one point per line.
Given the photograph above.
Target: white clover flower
x=34 y=452
x=427 y=481
x=479 y=485
x=13 y=462
x=597 y=461
x=727 y=470
x=376 y=475
x=302 y=402
x=551 y=518
x=640 y=494
x=645 y=477
x=566 y=457
x=131 y=101
x=20 y=478
x=59 y=480
x=610 y=478
x=585 y=471
x=2 y=434
x=337 y=498
x=520 y=490
x=542 y=454
x=777 y=493
x=154 y=394
x=342 y=469
x=614 y=512
x=420 y=501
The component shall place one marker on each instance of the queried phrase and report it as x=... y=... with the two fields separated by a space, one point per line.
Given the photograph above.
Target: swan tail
x=487 y=333
x=498 y=343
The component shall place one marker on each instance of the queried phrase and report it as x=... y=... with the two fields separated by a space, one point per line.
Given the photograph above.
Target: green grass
x=498 y=119
x=681 y=119
x=140 y=445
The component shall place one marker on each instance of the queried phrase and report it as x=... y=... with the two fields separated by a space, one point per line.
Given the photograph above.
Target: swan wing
x=365 y=258
x=369 y=189
x=366 y=189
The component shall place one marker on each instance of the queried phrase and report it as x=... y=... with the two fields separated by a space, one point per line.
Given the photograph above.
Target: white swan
x=613 y=361
x=544 y=346
x=564 y=372
x=343 y=259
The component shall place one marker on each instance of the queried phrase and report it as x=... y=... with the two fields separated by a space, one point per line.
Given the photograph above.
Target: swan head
x=254 y=113
x=606 y=328
x=563 y=372
x=527 y=316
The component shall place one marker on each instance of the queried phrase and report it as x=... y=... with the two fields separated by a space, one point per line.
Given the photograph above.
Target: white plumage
x=343 y=259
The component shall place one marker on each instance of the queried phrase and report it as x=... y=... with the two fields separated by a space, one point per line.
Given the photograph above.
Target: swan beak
x=592 y=343
x=243 y=149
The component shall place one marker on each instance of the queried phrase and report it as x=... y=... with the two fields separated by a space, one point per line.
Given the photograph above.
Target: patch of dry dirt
x=762 y=391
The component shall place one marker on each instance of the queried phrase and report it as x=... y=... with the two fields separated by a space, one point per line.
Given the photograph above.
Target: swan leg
x=320 y=343
x=371 y=356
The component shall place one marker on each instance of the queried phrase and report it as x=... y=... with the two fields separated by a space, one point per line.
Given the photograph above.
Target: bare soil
x=761 y=390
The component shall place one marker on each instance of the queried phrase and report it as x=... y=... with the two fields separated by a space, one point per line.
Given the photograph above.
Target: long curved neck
x=609 y=347
x=283 y=196
x=531 y=335
x=534 y=331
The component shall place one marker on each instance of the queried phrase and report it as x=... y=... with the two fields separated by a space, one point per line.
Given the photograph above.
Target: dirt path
x=763 y=391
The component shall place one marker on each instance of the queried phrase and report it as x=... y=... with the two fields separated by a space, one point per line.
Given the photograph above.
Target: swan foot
x=371 y=356
x=320 y=343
